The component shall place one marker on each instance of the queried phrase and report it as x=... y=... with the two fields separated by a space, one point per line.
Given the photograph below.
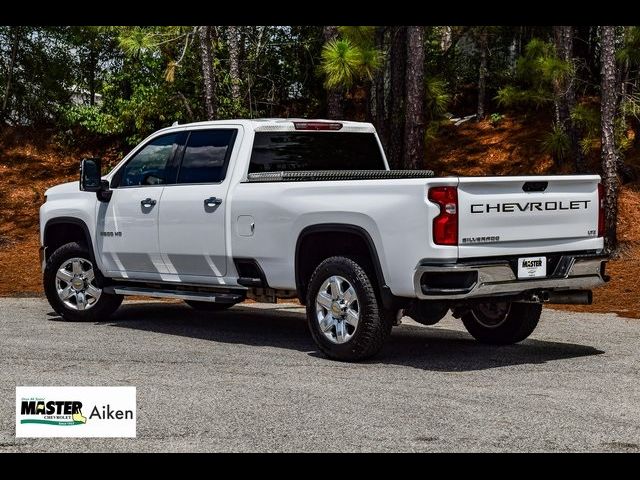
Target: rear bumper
x=495 y=278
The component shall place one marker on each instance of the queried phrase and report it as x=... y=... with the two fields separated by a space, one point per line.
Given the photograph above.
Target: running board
x=197 y=296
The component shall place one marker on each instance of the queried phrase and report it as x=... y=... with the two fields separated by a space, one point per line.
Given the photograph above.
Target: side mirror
x=91 y=179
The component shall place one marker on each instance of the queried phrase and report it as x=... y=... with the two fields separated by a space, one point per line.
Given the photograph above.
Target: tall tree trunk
x=242 y=49
x=609 y=153
x=93 y=66
x=483 y=43
x=559 y=85
x=12 y=63
x=414 y=124
x=565 y=93
x=234 y=63
x=571 y=100
x=379 y=89
x=446 y=38
x=335 y=107
x=206 y=55
x=513 y=49
x=624 y=81
x=367 y=86
x=622 y=76
x=398 y=63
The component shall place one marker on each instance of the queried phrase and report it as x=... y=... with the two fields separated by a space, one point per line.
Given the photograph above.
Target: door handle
x=212 y=201
x=148 y=203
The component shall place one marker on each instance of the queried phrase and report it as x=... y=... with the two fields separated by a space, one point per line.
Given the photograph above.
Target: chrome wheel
x=75 y=284
x=337 y=309
x=491 y=315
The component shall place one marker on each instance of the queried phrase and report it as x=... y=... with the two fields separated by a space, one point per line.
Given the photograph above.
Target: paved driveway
x=250 y=379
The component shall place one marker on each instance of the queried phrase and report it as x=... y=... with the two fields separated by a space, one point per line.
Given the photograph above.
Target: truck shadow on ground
x=427 y=348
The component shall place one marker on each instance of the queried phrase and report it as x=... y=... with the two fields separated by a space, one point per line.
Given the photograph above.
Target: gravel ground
x=251 y=379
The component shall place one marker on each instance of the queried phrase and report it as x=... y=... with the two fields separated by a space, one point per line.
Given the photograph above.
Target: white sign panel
x=75 y=412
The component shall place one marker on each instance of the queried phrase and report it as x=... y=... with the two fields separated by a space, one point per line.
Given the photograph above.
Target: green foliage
x=437 y=97
x=586 y=117
x=512 y=96
x=432 y=129
x=92 y=119
x=437 y=100
x=539 y=66
x=42 y=72
x=350 y=59
x=135 y=41
x=557 y=143
x=340 y=63
x=535 y=73
x=496 y=118
x=631 y=105
x=623 y=141
x=127 y=81
x=363 y=36
x=154 y=77
x=630 y=50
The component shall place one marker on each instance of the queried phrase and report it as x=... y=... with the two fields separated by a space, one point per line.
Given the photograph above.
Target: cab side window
x=150 y=166
x=206 y=156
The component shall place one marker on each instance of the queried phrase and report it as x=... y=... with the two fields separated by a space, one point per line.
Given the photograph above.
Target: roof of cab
x=278 y=125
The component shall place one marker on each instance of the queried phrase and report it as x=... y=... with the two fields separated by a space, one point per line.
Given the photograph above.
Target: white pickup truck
x=216 y=212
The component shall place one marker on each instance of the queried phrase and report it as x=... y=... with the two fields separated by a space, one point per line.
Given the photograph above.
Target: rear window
x=294 y=151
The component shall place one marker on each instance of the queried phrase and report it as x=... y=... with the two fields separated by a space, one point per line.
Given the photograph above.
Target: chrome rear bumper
x=495 y=278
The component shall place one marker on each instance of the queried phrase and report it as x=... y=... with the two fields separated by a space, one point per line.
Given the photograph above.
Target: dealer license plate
x=532 y=267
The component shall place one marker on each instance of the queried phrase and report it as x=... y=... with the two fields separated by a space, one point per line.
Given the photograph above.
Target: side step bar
x=182 y=295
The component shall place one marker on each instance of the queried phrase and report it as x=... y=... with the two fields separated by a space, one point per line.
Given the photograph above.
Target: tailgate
x=514 y=215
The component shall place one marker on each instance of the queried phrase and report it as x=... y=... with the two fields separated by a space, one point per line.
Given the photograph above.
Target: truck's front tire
x=72 y=287
x=345 y=317
x=502 y=323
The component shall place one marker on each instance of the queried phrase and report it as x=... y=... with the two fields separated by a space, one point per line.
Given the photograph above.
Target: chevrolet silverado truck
x=217 y=212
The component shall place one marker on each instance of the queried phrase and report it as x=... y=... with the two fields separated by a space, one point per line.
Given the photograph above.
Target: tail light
x=445 y=225
x=601 y=227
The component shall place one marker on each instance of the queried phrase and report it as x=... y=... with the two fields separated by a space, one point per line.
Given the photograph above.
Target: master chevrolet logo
x=58 y=412
x=531 y=263
x=511 y=207
x=75 y=412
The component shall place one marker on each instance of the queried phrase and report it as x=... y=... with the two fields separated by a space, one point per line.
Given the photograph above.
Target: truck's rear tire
x=344 y=315
x=208 y=306
x=71 y=284
x=502 y=323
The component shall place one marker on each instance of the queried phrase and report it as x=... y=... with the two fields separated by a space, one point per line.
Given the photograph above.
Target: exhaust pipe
x=574 y=297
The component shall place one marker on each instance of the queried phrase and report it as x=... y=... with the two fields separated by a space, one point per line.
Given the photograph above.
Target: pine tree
x=206 y=56
x=396 y=104
x=335 y=108
x=565 y=92
x=414 y=123
x=609 y=154
x=233 y=39
x=483 y=46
